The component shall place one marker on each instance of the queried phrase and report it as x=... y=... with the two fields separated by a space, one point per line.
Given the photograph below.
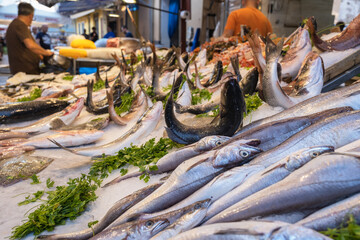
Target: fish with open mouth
x=349 y=38
x=232 y=108
x=25 y=111
x=20 y=167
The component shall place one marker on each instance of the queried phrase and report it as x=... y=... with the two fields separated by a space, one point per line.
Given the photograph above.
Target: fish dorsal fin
x=281 y=165
x=57 y=123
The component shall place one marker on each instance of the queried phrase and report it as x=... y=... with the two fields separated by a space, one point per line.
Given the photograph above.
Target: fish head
x=302 y=38
x=150 y=227
x=203 y=204
x=305 y=155
x=236 y=153
x=209 y=142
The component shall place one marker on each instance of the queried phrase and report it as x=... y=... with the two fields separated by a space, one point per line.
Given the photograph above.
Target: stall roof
x=71 y=7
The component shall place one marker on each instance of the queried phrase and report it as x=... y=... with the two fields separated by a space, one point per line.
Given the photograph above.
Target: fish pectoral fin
x=271 y=169
x=61 y=146
x=57 y=123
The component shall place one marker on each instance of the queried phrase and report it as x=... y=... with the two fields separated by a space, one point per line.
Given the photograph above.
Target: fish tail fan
x=272 y=50
x=61 y=146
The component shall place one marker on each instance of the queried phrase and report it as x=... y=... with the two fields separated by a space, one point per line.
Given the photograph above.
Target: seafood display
x=165 y=145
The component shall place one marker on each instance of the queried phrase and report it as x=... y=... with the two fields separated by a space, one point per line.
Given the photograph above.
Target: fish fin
x=165 y=178
x=237 y=231
x=133 y=217
x=61 y=146
x=271 y=169
x=57 y=123
x=272 y=50
x=197 y=163
x=253 y=142
x=353 y=94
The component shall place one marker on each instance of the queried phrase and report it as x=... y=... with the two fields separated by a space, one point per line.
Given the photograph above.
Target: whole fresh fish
x=295 y=56
x=310 y=78
x=67 y=115
x=65 y=138
x=21 y=167
x=138 y=107
x=13 y=151
x=25 y=111
x=94 y=124
x=266 y=177
x=191 y=175
x=114 y=212
x=249 y=82
x=333 y=216
x=296 y=232
x=216 y=74
x=134 y=230
x=346 y=96
x=11 y=142
x=349 y=38
x=9 y=135
x=218 y=186
x=290 y=217
x=231 y=115
x=184 y=223
x=144 y=126
x=256 y=230
x=274 y=133
x=171 y=160
x=315 y=184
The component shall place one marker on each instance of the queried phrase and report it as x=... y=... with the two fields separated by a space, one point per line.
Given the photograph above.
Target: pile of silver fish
x=286 y=176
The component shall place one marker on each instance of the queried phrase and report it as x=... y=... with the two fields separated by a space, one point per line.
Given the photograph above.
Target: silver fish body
x=334 y=215
x=316 y=184
x=296 y=232
x=266 y=177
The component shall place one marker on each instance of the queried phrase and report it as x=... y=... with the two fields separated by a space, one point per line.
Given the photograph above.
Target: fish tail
x=121 y=178
x=272 y=50
x=61 y=146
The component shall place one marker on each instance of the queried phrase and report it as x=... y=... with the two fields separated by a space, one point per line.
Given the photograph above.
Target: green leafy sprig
x=350 y=232
x=98 y=85
x=126 y=101
x=34 y=94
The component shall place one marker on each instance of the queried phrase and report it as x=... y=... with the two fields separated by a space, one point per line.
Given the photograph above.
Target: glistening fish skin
x=20 y=167
x=346 y=96
x=274 y=133
x=266 y=177
x=171 y=160
x=114 y=212
x=314 y=185
x=257 y=230
x=334 y=215
x=296 y=232
x=190 y=176
x=231 y=116
x=184 y=223
x=26 y=111
x=144 y=229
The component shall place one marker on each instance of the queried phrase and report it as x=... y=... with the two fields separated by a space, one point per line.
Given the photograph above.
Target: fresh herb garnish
x=90 y=224
x=198 y=95
x=49 y=183
x=36 y=197
x=35 y=179
x=351 y=232
x=98 y=85
x=253 y=102
x=67 y=201
x=144 y=157
x=68 y=77
x=34 y=94
x=126 y=101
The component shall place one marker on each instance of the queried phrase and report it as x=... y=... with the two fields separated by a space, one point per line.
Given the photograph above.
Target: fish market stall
x=184 y=146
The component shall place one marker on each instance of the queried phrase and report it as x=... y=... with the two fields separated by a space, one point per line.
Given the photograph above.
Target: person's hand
x=49 y=53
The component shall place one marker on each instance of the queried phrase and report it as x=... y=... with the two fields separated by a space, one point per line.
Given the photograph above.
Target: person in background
x=86 y=36
x=62 y=36
x=43 y=38
x=110 y=33
x=249 y=16
x=34 y=31
x=93 y=35
x=126 y=32
x=23 y=52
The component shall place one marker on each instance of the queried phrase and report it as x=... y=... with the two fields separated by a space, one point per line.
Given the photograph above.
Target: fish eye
x=244 y=153
x=149 y=223
x=218 y=143
x=197 y=206
x=315 y=154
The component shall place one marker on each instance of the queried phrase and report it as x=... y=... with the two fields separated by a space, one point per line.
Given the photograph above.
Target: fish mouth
x=160 y=225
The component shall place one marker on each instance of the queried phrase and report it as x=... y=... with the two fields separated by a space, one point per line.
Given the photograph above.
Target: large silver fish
x=191 y=175
x=346 y=96
x=21 y=167
x=266 y=177
x=334 y=215
x=316 y=184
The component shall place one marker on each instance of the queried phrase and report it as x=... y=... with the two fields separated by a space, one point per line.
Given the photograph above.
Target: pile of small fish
x=284 y=176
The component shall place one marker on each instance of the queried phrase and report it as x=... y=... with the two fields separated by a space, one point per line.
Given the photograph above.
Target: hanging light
x=129 y=1
x=114 y=15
